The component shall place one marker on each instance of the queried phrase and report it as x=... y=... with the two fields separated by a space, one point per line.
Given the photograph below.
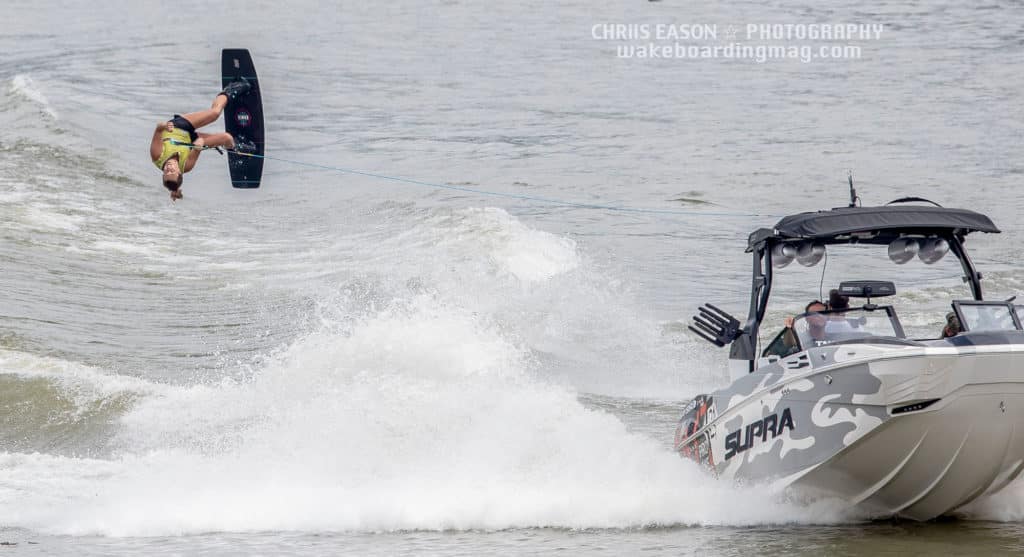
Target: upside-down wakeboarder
x=176 y=144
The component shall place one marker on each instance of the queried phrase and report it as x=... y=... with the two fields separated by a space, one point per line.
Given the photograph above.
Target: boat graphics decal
x=696 y=415
x=743 y=439
x=825 y=403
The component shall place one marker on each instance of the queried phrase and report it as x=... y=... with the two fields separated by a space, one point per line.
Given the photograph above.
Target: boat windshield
x=827 y=327
x=988 y=316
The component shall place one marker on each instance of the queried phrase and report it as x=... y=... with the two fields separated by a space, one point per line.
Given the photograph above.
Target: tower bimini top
x=908 y=230
x=874 y=225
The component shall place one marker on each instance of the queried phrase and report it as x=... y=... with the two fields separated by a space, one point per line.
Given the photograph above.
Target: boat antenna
x=821 y=283
x=854 y=200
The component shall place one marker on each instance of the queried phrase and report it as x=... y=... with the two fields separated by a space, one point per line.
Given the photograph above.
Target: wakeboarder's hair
x=173 y=185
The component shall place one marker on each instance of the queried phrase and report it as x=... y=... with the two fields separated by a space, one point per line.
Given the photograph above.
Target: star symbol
x=730 y=33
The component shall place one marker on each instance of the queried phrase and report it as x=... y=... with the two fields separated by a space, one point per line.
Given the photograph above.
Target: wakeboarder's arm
x=193 y=156
x=156 y=147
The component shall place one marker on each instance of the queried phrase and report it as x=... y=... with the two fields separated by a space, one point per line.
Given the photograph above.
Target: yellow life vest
x=171 y=148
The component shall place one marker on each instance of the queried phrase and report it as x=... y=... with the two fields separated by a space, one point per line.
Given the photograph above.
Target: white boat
x=843 y=402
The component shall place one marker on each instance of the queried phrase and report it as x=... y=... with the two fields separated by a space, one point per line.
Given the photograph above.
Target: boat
x=842 y=403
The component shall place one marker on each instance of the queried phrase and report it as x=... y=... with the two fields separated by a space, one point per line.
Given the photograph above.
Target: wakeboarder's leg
x=206 y=117
x=218 y=140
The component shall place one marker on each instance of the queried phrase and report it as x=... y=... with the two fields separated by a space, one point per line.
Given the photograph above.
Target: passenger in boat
x=838 y=323
x=837 y=300
x=952 y=327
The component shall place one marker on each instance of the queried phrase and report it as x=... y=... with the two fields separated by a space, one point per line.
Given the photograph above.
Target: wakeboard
x=243 y=118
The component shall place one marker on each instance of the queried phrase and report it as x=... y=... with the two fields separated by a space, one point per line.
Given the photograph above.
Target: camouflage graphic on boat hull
x=914 y=431
x=801 y=415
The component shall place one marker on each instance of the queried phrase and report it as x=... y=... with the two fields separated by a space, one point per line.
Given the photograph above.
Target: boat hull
x=930 y=463
x=914 y=431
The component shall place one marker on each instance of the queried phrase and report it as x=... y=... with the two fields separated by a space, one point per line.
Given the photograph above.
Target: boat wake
x=420 y=416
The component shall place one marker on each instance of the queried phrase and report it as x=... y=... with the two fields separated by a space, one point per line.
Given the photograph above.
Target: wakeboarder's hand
x=169 y=126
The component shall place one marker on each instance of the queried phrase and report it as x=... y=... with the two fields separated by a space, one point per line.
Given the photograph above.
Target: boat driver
x=816 y=324
x=172 y=146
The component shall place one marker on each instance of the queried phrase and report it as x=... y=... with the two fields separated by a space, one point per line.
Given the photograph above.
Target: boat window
x=827 y=327
x=987 y=316
x=782 y=345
